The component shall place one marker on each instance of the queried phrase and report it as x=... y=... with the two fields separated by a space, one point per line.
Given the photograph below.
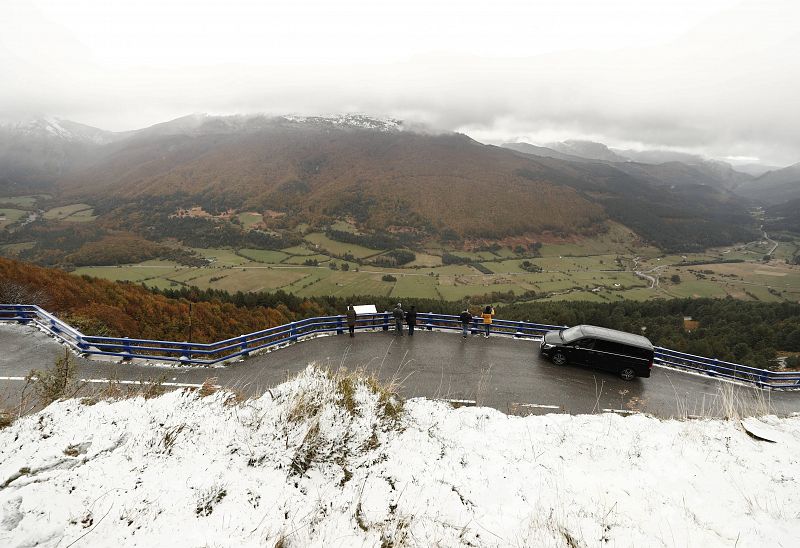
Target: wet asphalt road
x=500 y=372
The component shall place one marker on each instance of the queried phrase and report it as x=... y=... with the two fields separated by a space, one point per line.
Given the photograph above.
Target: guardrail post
x=81 y=343
x=386 y=321
x=54 y=326
x=475 y=327
x=21 y=313
x=293 y=331
x=339 y=326
x=428 y=324
x=244 y=346
x=127 y=348
x=713 y=371
x=186 y=354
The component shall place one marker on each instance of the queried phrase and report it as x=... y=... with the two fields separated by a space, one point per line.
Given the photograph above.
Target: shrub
x=56 y=383
x=449 y=258
x=529 y=266
x=396 y=257
x=388 y=278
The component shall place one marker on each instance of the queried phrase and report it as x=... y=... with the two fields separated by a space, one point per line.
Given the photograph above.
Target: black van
x=625 y=354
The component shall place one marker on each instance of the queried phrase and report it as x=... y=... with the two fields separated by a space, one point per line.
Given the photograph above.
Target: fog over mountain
x=717 y=79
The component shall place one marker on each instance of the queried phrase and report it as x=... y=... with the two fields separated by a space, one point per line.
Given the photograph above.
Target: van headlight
x=546 y=346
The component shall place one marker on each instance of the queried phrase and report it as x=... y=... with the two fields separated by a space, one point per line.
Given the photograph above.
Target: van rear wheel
x=627 y=374
x=559 y=358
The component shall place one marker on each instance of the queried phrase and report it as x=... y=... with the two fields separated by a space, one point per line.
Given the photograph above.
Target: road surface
x=500 y=372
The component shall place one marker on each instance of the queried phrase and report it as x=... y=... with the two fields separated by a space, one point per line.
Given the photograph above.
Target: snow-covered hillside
x=57 y=129
x=336 y=461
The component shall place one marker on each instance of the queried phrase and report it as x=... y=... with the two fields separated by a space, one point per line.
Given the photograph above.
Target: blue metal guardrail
x=211 y=353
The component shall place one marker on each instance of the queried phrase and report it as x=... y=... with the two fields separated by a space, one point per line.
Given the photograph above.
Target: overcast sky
x=719 y=77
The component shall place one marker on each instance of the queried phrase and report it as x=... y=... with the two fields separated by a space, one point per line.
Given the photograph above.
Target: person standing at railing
x=399 y=316
x=466 y=319
x=411 y=319
x=351 y=320
x=488 y=314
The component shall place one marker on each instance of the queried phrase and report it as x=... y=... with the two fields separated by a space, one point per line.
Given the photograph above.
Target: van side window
x=585 y=343
x=641 y=353
x=612 y=347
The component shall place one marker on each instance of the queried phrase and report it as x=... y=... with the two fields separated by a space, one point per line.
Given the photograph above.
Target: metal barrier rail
x=714 y=367
x=211 y=353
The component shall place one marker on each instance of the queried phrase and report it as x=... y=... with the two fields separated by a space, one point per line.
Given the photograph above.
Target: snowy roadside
x=322 y=461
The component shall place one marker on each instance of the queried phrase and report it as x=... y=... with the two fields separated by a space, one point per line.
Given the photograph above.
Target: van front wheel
x=627 y=374
x=559 y=358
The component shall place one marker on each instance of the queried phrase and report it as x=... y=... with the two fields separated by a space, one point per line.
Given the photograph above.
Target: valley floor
x=333 y=460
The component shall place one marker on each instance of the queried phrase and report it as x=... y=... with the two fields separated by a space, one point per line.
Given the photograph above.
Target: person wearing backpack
x=399 y=316
x=351 y=320
x=488 y=314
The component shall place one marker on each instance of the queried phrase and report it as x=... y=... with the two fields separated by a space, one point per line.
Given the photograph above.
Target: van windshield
x=571 y=334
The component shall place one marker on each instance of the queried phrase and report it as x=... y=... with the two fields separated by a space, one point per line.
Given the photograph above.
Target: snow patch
x=332 y=460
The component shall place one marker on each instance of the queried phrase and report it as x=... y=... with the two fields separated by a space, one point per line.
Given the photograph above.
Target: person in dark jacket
x=351 y=320
x=399 y=316
x=411 y=319
x=465 y=318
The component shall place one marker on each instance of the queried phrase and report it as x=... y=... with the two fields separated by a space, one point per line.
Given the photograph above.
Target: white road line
x=104 y=381
x=539 y=405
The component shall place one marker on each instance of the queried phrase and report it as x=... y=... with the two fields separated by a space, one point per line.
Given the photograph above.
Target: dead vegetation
x=353 y=396
x=208 y=499
x=731 y=401
x=57 y=383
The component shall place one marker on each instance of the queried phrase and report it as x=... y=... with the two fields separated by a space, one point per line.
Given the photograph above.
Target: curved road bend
x=500 y=372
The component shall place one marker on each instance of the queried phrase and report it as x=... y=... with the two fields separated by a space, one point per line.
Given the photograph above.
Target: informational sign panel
x=365 y=309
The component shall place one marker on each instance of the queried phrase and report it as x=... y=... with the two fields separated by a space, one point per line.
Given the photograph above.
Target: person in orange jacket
x=488 y=314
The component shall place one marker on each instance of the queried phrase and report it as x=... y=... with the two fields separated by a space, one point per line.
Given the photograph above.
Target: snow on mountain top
x=57 y=128
x=350 y=120
x=327 y=461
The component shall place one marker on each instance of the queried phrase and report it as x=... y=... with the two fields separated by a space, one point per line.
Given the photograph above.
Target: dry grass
x=170 y=437
x=730 y=402
x=56 y=383
x=209 y=387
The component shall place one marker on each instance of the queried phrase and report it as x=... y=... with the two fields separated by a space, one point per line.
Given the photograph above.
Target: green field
x=298 y=250
x=250 y=219
x=264 y=256
x=416 y=286
x=222 y=256
x=426 y=260
x=344 y=227
x=323 y=243
x=475 y=255
x=72 y=212
x=131 y=273
x=23 y=201
x=244 y=279
x=10 y=250
x=348 y=283
x=596 y=269
x=310 y=277
x=8 y=216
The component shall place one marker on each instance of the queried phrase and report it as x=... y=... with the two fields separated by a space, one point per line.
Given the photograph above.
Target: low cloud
x=726 y=89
